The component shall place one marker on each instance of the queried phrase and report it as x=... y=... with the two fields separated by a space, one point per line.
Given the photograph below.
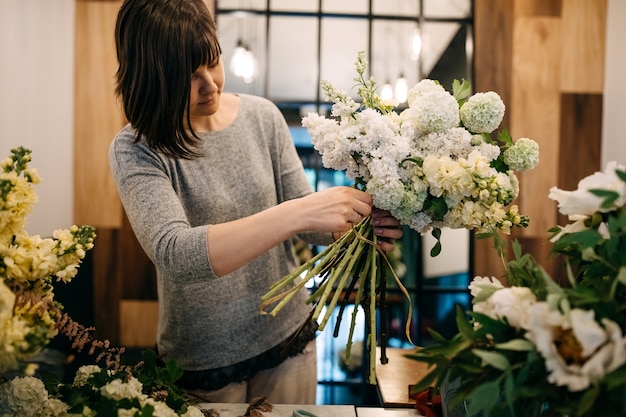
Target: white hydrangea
x=523 y=155
x=421 y=88
x=84 y=373
x=23 y=397
x=161 y=409
x=118 y=389
x=482 y=112
x=433 y=111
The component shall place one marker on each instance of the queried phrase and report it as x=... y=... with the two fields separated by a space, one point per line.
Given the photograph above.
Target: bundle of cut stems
x=353 y=262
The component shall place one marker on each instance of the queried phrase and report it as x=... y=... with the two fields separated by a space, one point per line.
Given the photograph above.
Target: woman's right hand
x=334 y=209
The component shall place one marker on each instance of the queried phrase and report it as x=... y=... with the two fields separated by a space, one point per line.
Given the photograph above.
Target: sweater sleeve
x=155 y=212
x=291 y=178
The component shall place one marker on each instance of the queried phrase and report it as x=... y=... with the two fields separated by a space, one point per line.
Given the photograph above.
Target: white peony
x=581 y=203
x=499 y=302
x=577 y=350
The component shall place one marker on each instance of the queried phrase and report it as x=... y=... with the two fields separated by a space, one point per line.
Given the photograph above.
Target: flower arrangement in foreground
x=434 y=165
x=536 y=344
x=30 y=318
x=29 y=265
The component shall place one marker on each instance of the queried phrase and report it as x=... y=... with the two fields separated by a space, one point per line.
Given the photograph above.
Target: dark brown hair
x=160 y=43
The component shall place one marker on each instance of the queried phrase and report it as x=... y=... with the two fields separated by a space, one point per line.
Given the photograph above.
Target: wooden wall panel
x=535 y=103
x=96 y=117
x=493 y=34
x=139 y=327
x=551 y=57
x=582 y=66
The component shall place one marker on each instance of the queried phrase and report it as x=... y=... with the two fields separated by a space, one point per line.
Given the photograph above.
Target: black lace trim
x=212 y=379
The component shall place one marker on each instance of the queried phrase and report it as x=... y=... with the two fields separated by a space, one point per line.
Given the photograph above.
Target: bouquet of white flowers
x=560 y=351
x=433 y=165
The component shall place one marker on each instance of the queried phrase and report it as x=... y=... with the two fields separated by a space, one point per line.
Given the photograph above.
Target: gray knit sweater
x=206 y=321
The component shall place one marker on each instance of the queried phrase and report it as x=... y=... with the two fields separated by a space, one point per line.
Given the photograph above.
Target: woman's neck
x=222 y=118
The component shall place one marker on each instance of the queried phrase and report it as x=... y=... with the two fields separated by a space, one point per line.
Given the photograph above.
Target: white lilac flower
x=577 y=350
x=387 y=193
x=454 y=142
x=523 y=155
x=482 y=112
x=580 y=204
x=488 y=150
x=421 y=222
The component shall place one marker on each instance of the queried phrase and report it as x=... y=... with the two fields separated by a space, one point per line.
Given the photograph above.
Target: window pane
x=291 y=5
x=293 y=59
x=396 y=7
x=339 y=52
x=240 y=5
x=345 y=6
x=250 y=29
x=436 y=38
x=391 y=52
x=447 y=8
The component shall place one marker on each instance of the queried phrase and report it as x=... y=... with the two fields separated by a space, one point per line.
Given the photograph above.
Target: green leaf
x=495 y=359
x=436 y=249
x=461 y=90
x=483 y=399
x=516 y=344
x=610 y=197
x=465 y=327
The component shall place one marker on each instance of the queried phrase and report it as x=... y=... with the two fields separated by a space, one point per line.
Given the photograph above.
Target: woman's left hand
x=387 y=229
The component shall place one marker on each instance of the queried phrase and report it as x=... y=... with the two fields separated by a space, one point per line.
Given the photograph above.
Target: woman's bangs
x=205 y=50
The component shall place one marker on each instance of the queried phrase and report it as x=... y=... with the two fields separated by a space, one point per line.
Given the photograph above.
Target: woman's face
x=207 y=82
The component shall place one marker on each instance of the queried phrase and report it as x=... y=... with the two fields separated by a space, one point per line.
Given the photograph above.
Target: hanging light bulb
x=402 y=89
x=416 y=44
x=243 y=63
x=386 y=91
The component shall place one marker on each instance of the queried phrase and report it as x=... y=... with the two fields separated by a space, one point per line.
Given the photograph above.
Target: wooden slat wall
x=549 y=55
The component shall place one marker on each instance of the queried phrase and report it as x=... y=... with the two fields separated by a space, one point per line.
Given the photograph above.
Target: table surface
x=286 y=410
x=281 y=410
x=387 y=412
x=396 y=376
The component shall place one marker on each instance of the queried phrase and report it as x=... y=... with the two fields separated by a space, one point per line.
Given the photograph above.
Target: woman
x=215 y=192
